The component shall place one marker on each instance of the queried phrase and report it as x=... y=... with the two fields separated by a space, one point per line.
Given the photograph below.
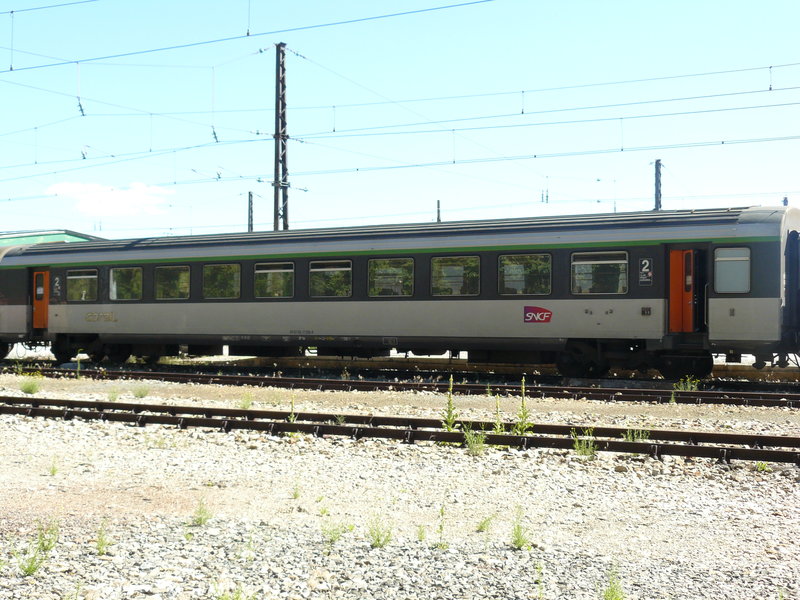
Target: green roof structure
x=24 y=238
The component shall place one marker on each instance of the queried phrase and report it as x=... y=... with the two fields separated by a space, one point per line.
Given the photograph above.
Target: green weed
x=333 y=532
x=636 y=435
x=449 y=415
x=379 y=532
x=30 y=385
x=422 y=533
x=30 y=560
x=236 y=594
x=584 y=443
x=47 y=535
x=440 y=543
x=519 y=533
x=201 y=516
x=485 y=524
x=140 y=391
x=499 y=424
x=523 y=424
x=246 y=401
x=102 y=542
x=613 y=590
x=475 y=441
x=686 y=384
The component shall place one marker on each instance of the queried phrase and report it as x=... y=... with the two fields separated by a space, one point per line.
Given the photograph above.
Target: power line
x=551 y=89
x=242 y=37
x=22 y=10
x=552 y=155
x=121 y=158
x=550 y=111
x=337 y=135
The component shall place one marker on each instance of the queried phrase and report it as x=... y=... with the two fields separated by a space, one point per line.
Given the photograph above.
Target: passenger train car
x=662 y=290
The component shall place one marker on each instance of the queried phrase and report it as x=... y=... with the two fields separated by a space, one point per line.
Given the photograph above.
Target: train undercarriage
x=576 y=358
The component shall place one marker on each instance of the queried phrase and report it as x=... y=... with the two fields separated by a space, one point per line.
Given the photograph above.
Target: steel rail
x=764 y=399
x=412 y=429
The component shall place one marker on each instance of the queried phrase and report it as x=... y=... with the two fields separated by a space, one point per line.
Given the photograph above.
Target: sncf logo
x=536 y=314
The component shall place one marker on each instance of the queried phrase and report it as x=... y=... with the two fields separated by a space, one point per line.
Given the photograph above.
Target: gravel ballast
x=672 y=529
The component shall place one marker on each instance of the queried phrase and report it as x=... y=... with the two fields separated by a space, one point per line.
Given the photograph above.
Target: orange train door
x=685 y=290
x=41 y=298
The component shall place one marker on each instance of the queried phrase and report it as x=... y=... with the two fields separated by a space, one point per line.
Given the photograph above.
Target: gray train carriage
x=642 y=290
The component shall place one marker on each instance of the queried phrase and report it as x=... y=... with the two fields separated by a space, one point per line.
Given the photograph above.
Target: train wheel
x=96 y=356
x=62 y=355
x=118 y=353
x=678 y=366
x=581 y=360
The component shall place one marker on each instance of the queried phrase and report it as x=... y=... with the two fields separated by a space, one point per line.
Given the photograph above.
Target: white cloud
x=99 y=200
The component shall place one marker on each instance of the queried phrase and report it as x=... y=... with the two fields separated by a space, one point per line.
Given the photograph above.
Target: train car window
x=732 y=270
x=274 y=280
x=330 y=279
x=391 y=277
x=455 y=276
x=125 y=283
x=221 y=282
x=172 y=283
x=524 y=274
x=82 y=285
x=600 y=273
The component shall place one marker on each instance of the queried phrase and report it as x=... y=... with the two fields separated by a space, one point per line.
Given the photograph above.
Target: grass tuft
x=636 y=435
x=523 y=424
x=613 y=590
x=485 y=524
x=519 y=533
x=102 y=542
x=475 y=441
x=246 y=401
x=30 y=385
x=201 y=516
x=332 y=532
x=449 y=415
x=379 y=532
x=584 y=443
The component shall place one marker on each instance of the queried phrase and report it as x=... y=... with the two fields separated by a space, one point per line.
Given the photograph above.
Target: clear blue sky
x=484 y=106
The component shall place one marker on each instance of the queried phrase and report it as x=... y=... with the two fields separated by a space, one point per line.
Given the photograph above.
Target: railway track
x=733 y=398
x=654 y=442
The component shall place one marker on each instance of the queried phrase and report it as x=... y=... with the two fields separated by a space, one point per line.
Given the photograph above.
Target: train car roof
x=647 y=225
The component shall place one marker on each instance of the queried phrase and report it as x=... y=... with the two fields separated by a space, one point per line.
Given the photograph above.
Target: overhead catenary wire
x=246 y=36
x=342 y=132
x=47 y=7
